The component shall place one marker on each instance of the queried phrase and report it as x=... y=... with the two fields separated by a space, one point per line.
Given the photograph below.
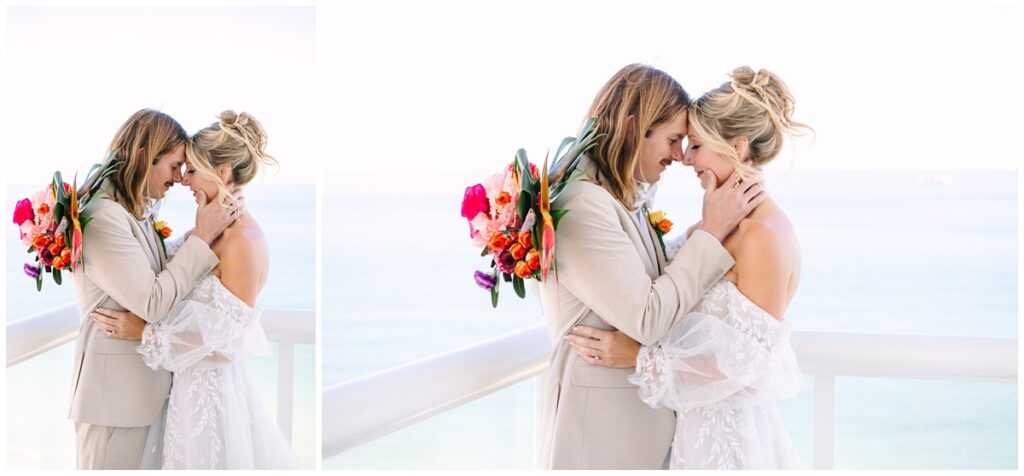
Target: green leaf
x=556 y=216
x=494 y=291
x=524 y=204
x=558 y=154
x=56 y=276
x=39 y=280
x=525 y=177
x=486 y=251
x=31 y=249
x=519 y=286
x=58 y=187
x=522 y=160
x=92 y=170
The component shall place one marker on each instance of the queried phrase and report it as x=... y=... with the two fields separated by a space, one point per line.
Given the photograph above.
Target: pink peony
x=23 y=211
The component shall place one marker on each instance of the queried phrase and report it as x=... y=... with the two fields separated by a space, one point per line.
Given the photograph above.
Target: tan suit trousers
x=109 y=447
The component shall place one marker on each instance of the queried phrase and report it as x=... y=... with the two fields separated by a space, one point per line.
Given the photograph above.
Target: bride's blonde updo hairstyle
x=236 y=140
x=635 y=101
x=757 y=106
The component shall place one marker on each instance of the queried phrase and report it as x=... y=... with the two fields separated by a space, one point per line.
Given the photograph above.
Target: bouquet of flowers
x=510 y=215
x=49 y=224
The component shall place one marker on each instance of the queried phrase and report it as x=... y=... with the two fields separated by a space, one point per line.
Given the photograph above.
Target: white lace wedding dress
x=214 y=416
x=721 y=369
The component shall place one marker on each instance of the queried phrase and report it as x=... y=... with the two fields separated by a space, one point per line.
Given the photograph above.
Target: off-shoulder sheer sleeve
x=708 y=359
x=204 y=334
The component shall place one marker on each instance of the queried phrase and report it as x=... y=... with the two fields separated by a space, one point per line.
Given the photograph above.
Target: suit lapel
x=148 y=239
x=648 y=248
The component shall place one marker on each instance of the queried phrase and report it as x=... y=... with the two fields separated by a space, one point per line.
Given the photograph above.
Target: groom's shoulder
x=585 y=194
x=103 y=208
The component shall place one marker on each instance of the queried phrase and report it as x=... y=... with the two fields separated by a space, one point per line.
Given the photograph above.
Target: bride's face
x=660 y=148
x=703 y=159
x=196 y=182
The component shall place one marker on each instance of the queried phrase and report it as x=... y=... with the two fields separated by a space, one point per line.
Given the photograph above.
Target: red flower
x=475 y=202
x=23 y=211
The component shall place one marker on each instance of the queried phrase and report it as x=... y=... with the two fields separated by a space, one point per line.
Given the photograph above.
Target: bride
x=214 y=416
x=723 y=365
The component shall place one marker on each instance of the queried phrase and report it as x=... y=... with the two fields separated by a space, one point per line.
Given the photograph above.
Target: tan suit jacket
x=608 y=266
x=124 y=268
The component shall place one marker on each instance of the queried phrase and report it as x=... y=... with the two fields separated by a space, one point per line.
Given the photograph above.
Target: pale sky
x=458 y=90
x=75 y=74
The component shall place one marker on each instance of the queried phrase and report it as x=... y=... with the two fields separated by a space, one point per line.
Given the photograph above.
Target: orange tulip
x=523 y=270
x=533 y=259
x=59 y=238
x=517 y=251
x=498 y=242
x=526 y=239
x=65 y=255
x=665 y=226
x=55 y=249
x=41 y=242
x=57 y=263
x=165 y=232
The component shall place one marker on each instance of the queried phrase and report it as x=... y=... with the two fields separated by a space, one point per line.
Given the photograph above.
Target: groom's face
x=661 y=147
x=166 y=172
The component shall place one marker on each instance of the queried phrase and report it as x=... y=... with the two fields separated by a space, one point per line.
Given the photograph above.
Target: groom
x=114 y=395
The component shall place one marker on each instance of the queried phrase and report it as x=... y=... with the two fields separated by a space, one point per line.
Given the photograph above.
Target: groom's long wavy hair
x=652 y=98
x=145 y=137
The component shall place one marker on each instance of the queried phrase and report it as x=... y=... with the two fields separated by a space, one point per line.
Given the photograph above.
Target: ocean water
x=883 y=252
x=39 y=435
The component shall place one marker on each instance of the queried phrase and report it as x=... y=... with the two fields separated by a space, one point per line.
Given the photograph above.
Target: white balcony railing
x=361 y=410
x=40 y=333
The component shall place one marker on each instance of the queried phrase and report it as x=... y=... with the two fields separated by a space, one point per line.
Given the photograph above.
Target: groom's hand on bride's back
x=725 y=206
x=212 y=218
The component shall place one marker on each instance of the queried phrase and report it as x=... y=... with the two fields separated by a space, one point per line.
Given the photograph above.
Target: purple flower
x=484 y=280
x=31 y=271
